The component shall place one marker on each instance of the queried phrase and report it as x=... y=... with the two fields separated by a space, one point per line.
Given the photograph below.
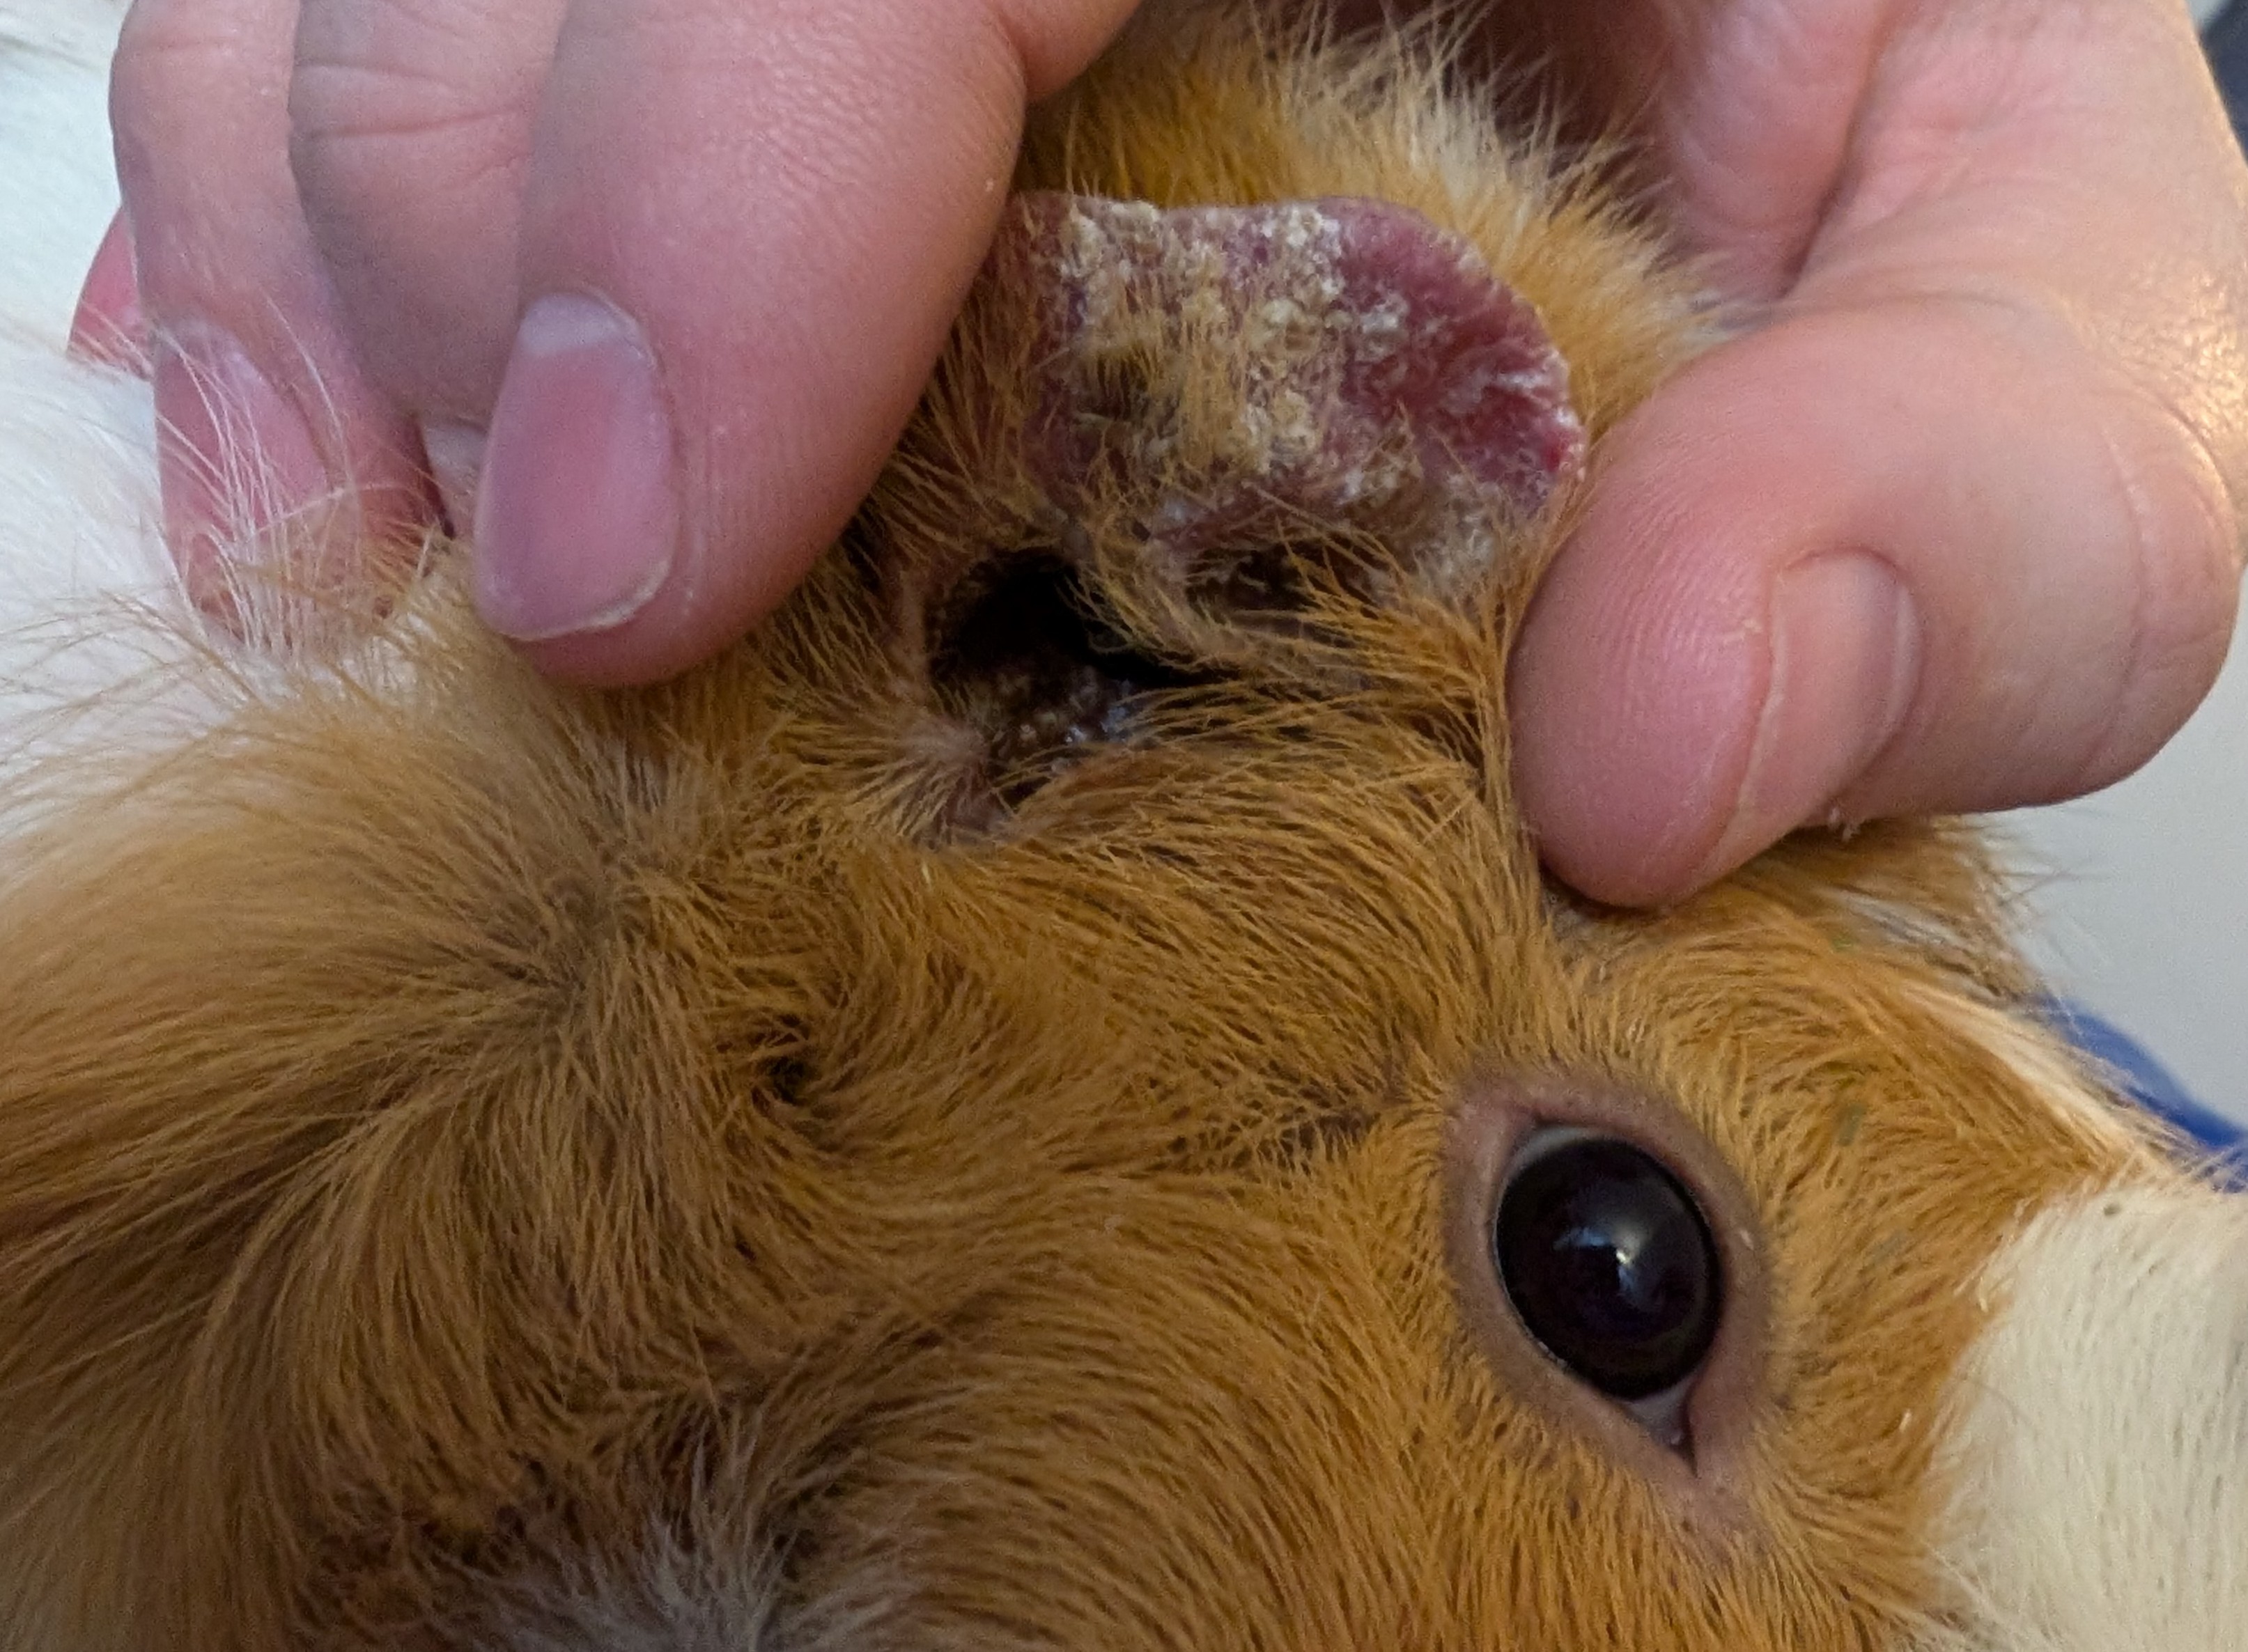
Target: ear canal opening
x=1027 y=654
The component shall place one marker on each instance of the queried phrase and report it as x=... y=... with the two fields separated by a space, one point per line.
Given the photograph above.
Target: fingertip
x=1845 y=648
x=584 y=554
x=1634 y=691
x=1671 y=730
x=638 y=513
x=1732 y=639
x=274 y=447
x=1858 y=565
x=695 y=613
x=108 y=326
x=249 y=492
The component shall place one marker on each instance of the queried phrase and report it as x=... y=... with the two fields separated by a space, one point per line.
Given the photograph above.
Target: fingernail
x=1845 y=665
x=234 y=455
x=575 y=513
x=455 y=455
x=109 y=325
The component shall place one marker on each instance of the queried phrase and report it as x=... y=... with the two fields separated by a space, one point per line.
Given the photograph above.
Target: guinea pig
x=1042 y=1101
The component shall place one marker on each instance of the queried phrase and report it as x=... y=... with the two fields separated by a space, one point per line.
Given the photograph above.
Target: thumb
x=1918 y=555
x=745 y=234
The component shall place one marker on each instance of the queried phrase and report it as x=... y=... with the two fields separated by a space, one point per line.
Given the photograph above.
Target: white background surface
x=2141 y=902
x=2141 y=912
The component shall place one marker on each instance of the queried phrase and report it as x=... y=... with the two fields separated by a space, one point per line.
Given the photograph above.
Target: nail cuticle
x=1829 y=712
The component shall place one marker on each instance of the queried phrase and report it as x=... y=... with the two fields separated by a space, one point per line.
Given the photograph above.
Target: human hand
x=1985 y=436
x=1953 y=524
x=342 y=208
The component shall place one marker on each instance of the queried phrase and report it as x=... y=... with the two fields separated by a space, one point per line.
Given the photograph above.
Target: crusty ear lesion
x=1215 y=106
x=1209 y=380
x=1263 y=283
x=1283 y=373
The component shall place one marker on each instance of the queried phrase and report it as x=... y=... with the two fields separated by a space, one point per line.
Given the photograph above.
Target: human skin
x=1950 y=524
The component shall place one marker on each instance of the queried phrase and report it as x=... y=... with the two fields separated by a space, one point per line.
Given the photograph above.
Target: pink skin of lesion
x=1339 y=363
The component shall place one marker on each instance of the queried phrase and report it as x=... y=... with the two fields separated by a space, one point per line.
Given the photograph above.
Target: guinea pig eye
x=1610 y=1264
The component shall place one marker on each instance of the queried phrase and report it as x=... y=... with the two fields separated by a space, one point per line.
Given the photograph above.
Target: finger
x=1902 y=558
x=108 y=326
x=264 y=415
x=746 y=232
x=410 y=126
x=1961 y=531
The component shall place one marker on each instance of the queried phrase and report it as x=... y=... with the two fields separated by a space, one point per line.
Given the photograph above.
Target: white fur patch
x=2099 y=1450
x=710 y=1593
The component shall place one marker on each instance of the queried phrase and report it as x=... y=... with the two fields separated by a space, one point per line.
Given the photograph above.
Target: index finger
x=746 y=231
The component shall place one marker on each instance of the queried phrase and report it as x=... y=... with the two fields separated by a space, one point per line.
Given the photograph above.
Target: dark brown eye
x=1610 y=1262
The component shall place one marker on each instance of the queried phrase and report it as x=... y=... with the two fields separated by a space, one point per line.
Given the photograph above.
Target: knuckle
x=2183 y=571
x=402 y=91
x=168 y=58
x=371 y=143
x=358 y=128
x=408 y=106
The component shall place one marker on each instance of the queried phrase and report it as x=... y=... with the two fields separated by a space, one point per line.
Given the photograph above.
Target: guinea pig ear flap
x=1240 y=404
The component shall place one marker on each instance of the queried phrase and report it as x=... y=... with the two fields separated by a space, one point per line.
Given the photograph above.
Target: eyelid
x=1722 y=1402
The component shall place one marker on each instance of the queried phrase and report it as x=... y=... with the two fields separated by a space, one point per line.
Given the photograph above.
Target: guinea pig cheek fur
x=1704 y=1479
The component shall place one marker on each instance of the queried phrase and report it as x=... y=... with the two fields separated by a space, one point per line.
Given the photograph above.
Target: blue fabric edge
x=2147 y=1081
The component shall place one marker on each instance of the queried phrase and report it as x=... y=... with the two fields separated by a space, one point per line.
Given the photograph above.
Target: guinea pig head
x=1044 y=1101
